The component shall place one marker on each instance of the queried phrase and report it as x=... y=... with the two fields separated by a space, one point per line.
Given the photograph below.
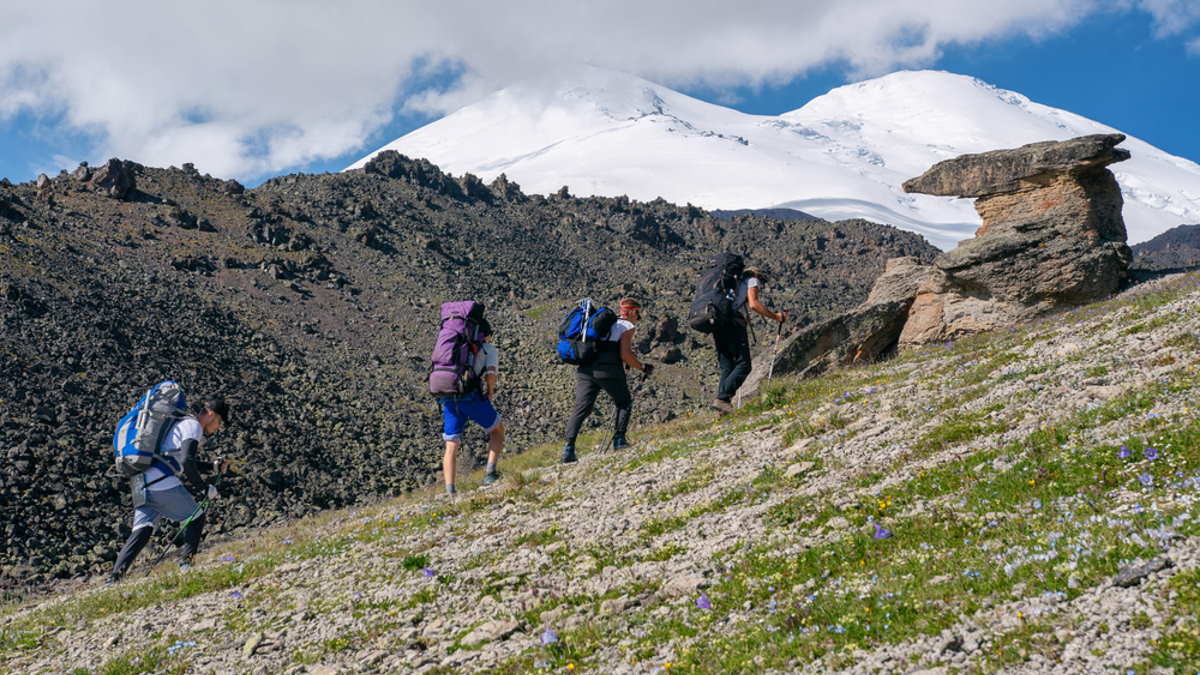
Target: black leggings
x=588 y=383
x=733 y=356
x=141 y=536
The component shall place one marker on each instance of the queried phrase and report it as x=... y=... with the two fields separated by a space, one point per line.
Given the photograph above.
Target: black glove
x=647 y=369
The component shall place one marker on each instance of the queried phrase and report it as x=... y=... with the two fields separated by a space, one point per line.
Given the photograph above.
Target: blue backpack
x=584 y=332
x=142 y=430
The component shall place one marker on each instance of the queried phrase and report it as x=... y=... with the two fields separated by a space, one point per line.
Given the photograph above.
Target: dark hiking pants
x=588 y=384
x=733 y=356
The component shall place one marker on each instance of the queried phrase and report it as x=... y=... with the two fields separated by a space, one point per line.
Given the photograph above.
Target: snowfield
x=842 y=155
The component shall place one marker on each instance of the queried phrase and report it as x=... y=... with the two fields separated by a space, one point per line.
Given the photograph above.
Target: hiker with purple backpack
x=463 y=379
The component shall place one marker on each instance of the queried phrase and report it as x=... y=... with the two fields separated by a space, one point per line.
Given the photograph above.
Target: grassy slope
x=996 y=463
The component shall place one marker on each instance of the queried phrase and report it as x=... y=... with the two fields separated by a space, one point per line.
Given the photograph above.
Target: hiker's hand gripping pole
x=775 y=347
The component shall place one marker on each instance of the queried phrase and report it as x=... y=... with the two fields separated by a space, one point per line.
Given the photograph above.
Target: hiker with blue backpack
x=157 y=442
x=726 y=290
x=600 y=343
x=462 y=377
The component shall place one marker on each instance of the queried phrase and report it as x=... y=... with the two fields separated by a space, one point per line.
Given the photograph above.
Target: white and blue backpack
x=142 y=430
x=583 y=333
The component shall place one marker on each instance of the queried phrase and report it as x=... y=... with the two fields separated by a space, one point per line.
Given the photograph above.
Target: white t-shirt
x=486 y=360
x=619 y=328
x=743 y=293
x=185 y=429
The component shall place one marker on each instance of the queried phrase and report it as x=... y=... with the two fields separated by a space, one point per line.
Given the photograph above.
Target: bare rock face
x=861 y=335
x=1052 y=236
x=114 y=178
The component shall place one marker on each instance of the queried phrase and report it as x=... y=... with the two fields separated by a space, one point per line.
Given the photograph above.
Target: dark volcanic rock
x=1176 y=249
x=115 y=179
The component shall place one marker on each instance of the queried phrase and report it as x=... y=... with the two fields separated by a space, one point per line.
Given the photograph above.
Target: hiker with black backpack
x=600 y=343
x=155 y=443
x=727 y=289
x=463 y=378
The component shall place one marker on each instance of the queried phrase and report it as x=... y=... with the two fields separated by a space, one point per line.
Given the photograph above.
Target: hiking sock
x=450 y=489
x=491 y=467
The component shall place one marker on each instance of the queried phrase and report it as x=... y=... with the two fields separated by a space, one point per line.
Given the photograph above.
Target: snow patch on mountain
x=842 y=155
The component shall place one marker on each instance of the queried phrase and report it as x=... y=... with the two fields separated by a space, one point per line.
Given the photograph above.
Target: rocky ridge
x=1175 y=249
x=310 y=302
x=1024 y=501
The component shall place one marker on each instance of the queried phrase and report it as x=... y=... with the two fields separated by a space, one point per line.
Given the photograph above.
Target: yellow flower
x=1032 y=481
x=570 y=666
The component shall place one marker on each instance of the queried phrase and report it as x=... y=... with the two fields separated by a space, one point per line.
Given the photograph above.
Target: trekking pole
x=775 y=349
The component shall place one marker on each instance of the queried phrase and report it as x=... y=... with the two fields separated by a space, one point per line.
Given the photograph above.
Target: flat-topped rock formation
x=1052 y=238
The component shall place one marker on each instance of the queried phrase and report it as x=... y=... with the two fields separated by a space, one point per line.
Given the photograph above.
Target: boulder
x=1052 y=233
x=114 y=179
x=1052 y=238
x=861 y=335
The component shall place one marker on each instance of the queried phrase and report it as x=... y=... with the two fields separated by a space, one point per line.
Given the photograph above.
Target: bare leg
x=448 y=463
x=495 y=445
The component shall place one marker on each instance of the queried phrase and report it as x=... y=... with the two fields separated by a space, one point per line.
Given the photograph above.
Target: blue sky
x=319 y=88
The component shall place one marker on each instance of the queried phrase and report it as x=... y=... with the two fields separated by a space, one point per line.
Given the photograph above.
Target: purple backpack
x=459 y=337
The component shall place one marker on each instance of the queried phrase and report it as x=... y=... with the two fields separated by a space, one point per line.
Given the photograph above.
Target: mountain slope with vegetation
x=1024 y=500
x=311 y=302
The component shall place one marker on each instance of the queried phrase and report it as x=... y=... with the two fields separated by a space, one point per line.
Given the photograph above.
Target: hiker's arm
x=758 y=307
x=489 y=380
x=627 y=356
x=191 y=469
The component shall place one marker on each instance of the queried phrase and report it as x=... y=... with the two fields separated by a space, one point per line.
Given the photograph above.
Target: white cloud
x=1193 y=47
x=246 y=88
x=1172 y=17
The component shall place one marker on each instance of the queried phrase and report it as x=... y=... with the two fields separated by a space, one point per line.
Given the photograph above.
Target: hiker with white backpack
x=600 y=343
x=463 y=379
x=155 y=443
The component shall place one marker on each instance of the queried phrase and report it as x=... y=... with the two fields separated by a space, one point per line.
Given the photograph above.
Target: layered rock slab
x=1052 y=238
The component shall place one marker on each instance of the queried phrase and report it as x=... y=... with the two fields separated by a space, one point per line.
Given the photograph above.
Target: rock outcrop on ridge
x=1177 y=248
x=1052 y=238
x=311 y=303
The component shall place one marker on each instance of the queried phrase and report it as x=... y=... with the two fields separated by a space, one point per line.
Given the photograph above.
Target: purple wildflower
x=236 y=595
x=228 y=557
x=702 y=602
x=1146 y=479
x=1151 y=453
x=882 y=533
x=1124 y=452
x=428 y=573
x=549 y=637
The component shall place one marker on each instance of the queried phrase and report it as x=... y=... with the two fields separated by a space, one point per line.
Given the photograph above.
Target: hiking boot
x=112 y=579
x=489 y=478
x=185 y=564
x=568 y=455
x=723 y=407
x=619 y=443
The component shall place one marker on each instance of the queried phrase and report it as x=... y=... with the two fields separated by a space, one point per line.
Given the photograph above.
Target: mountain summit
x=842 y=155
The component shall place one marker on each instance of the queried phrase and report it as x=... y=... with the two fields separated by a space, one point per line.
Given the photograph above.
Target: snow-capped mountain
x=842 y=155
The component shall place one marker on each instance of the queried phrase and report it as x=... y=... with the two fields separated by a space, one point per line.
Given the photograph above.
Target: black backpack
x=712 y=306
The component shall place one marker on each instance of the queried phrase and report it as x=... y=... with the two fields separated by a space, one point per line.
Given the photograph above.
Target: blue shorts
x=473 y=407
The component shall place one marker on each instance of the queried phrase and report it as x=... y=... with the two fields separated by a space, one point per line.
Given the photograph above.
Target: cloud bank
x=248 y=88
